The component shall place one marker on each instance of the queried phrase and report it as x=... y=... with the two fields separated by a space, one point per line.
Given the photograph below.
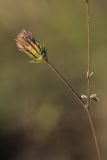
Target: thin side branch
x=68 y=85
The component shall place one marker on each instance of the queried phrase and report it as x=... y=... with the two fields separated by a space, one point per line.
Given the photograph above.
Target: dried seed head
x=29 y=45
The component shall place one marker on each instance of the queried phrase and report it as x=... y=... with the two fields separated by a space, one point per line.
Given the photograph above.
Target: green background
x=39 y=119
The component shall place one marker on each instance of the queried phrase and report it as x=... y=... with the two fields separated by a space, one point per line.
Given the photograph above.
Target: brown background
x=39 y=119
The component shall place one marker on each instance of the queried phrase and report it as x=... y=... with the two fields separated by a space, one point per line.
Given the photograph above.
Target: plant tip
x=27 y=43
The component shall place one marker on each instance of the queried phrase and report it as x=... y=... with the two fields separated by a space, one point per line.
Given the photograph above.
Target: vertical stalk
x=94 y=134
x=89 y=53
x=88 y=79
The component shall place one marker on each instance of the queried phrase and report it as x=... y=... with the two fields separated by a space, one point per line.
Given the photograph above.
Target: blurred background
x=39 y=118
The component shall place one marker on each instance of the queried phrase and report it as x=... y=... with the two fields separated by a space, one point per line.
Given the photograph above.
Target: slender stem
x=88 y=78
x=89 y=53
x=93 y=132
x=68 y=85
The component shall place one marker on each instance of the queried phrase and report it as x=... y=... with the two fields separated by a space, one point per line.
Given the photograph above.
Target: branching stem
x=68 y=85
